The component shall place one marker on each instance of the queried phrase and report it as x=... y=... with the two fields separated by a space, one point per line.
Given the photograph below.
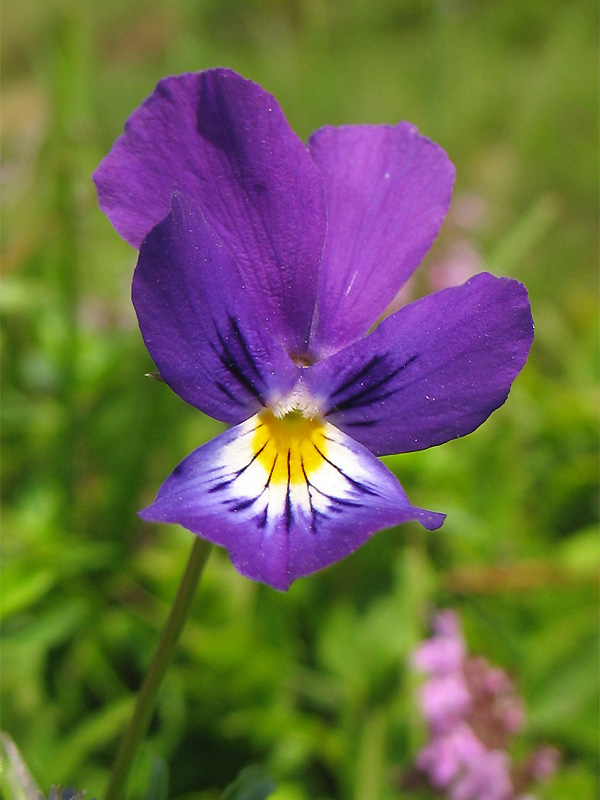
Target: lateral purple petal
x=204 y=336
x=279 y=516
x=225 y=142
x=433 y=371
x=387 y=190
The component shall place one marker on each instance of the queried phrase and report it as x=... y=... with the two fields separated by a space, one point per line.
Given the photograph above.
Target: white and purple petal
x=433 y=371
x=285 y=497
x=224 y=141
x=387 y=190
x=205 y=338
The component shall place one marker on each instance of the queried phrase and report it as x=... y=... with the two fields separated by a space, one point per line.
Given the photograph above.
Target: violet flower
x=263 y=264
x=472 y=711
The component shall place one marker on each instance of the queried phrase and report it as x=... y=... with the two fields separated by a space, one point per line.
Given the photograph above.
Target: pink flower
x=445 y=699
x=488 y=778
x=439 y=656
x=471 y=709
x=544 y=762
x=462 y=262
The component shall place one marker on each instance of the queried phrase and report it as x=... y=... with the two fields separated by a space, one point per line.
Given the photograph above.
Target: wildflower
x=263 y=264
x=472 y=710
x=461 y=263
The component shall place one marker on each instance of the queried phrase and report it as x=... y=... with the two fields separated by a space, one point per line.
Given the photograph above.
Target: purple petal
x=440 y=655
x=543 y=762
x=487 y=779
x=225 y=142
x=204 y=336
x=387 y=191
x=433 y=371
x=447 y=624
x=444 y=700
x=447 y=756
x=445 y=651
x=286 y=497
x=441 y=760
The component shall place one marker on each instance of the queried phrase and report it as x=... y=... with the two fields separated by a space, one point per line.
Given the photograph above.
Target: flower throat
x=290 y=448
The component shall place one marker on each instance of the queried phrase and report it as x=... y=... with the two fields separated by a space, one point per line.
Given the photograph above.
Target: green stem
x=147 y=697
x=370 y=763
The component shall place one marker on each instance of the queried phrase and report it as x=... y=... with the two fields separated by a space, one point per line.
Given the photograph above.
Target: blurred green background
x=315 y=683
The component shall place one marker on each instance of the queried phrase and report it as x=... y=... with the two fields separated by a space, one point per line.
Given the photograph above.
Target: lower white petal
x=284 y=496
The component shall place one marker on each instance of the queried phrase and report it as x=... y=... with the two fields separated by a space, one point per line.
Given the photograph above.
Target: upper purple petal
x=433 y=371
x=387 y=191
x=225 y=142
x=204 y=336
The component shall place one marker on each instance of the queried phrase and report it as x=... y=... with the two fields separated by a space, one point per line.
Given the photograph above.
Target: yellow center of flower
x=289 y=448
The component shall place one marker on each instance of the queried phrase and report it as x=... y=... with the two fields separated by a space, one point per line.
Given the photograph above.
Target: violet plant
x=263 y=264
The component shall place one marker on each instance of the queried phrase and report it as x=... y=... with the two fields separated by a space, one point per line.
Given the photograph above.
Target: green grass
x=314 y=683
